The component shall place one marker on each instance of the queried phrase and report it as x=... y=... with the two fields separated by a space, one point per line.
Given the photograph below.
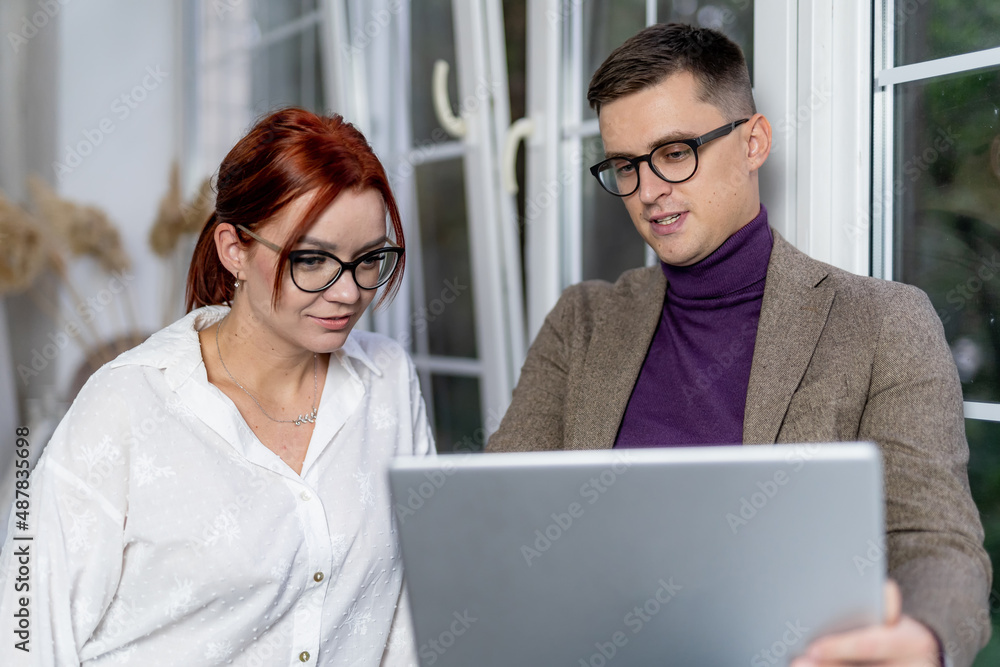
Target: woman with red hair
x=218 y=494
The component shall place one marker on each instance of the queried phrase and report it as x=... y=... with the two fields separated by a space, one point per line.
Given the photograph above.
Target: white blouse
x=165 y=533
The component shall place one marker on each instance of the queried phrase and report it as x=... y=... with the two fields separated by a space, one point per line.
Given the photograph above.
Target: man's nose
x=651 y=186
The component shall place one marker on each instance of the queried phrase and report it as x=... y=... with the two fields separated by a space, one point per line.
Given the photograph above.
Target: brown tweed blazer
x=838 y=357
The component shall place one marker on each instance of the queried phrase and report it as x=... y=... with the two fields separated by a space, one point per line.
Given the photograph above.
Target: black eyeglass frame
x=344 y=266
x=694 y=144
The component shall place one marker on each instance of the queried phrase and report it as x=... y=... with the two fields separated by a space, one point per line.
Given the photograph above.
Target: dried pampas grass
x=27 y=249
x=176 y=217
x=175 y=220
x=199 y=207
x=169 y=224
x=22 y=248
x=86 y=230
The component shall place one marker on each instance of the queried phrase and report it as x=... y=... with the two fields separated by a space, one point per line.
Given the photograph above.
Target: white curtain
x=12 y=183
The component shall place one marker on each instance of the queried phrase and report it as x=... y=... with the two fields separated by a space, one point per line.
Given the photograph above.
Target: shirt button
x=305 y=495
x=304 y=656
x=318 y=577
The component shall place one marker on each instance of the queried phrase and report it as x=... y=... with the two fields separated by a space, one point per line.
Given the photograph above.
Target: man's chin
x=675 y=256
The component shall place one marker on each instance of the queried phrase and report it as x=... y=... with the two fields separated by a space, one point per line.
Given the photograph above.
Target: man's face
x=685 y=222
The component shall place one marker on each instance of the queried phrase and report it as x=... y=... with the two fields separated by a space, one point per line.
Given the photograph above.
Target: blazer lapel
x=622 y=336
x=793 y=313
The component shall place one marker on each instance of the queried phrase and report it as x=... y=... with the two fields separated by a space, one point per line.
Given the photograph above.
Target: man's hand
x=901 y=640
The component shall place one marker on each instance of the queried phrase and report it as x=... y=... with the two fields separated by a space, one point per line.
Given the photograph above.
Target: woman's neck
x=250 y=354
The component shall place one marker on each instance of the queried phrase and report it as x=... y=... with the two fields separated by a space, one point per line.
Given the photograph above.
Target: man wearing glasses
x=737 y=337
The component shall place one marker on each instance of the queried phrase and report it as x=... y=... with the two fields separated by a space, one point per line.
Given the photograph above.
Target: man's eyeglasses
x=315 y=270
x=674 y=162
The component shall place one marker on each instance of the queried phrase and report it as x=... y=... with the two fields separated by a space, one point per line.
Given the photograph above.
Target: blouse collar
x=176 y=350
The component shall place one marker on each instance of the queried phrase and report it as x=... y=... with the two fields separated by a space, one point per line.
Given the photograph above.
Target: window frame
x=812 y=80
x=375 y=86
x=887 y=76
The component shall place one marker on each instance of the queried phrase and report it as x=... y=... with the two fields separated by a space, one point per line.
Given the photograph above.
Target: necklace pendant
x=306 y=419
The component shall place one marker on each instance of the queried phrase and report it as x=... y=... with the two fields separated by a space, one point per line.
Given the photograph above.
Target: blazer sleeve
x=535 y=420
x=934 y=535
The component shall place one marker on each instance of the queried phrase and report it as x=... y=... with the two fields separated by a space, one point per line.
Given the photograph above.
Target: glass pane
x=929 y=30
x=221 y=105
x=734 y=18
x=984 y=478
x=946 y=194
x=515 y=35
x=288 y=72
x=457 y=415
x=610 y=242
x=448 y=313
x=271 y=14
x=433 y=39
x=606 y=25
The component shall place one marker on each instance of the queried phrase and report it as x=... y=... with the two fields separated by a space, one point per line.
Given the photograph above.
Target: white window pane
x=432 y=39
x=946 y=197
x=606 y=25
x=271 y=14
x=457 y=415
x=610 y=243
x=930 y=30
x=984 y=473
x=447 y=316
x=288 y=73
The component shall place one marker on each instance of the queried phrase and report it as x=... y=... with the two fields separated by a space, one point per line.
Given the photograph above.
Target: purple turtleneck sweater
x=692 y=389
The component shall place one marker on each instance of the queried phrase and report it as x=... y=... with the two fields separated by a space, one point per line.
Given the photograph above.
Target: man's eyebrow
x=659 y=141
x=331 y=247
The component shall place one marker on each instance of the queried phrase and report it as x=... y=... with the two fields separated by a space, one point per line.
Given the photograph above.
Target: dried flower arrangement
x=43 y=242
x=23 y=252
x=176 y=219
x=86 y=230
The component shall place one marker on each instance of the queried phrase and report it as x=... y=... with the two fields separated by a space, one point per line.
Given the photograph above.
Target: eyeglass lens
x=673 y=162
x=316 y=271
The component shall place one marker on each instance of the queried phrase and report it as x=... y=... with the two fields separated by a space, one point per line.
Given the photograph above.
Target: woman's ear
x=232 y=251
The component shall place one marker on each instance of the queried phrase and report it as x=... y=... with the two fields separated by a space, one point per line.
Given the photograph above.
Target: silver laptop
x=682 y=556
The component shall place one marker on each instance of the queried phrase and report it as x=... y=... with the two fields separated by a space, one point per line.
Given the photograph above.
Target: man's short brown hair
x=661 y=50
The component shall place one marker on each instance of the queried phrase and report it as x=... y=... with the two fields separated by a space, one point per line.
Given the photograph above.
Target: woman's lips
x=332 y=323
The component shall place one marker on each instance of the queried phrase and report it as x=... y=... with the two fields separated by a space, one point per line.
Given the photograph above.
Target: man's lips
x=664 y=225
x=666 y=220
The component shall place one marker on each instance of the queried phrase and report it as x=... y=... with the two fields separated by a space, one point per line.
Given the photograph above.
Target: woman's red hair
x=285 y=155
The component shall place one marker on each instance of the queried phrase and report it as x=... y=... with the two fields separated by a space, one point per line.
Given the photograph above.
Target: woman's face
x=320 y=321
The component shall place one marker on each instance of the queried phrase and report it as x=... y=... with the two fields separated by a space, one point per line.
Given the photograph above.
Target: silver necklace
x=298 y=421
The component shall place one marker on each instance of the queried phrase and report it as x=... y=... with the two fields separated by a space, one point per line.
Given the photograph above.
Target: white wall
x=65 y=72
x=118 y=87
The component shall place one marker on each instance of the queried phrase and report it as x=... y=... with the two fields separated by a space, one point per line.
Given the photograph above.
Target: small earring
x=236 y=285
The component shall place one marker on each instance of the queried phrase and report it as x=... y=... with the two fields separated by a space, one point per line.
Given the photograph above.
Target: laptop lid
x=687 y=556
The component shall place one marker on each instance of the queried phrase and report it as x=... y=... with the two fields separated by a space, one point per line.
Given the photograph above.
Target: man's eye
x=624 y=169
x=674 y=153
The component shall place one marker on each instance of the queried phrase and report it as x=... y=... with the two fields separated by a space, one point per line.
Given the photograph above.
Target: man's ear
x=232 y=251
x=759 y=143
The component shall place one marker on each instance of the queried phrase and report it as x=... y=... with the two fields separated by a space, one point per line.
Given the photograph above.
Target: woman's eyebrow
x=377 y=243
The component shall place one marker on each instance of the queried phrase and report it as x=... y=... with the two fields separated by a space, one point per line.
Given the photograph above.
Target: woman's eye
x=373 y=260
x=310 y=261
